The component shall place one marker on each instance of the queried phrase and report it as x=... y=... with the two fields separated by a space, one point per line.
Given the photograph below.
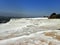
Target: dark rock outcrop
x=54 y=16
x=4 y=19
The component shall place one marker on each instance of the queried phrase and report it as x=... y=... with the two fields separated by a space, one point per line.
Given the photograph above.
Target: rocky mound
x=54 y=16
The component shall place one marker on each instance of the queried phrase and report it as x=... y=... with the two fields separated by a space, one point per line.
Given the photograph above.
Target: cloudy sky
x=29 y=7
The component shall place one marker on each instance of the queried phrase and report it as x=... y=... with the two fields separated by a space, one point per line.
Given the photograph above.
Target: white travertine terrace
x=39 y=38
x=32 y=31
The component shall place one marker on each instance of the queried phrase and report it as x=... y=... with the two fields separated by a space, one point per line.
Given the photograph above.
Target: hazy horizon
x=29 y=7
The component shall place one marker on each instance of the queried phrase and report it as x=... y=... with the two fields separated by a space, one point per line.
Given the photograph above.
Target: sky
x=29 y=7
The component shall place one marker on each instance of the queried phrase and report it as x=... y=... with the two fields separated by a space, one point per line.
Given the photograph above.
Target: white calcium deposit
x=30 y=31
